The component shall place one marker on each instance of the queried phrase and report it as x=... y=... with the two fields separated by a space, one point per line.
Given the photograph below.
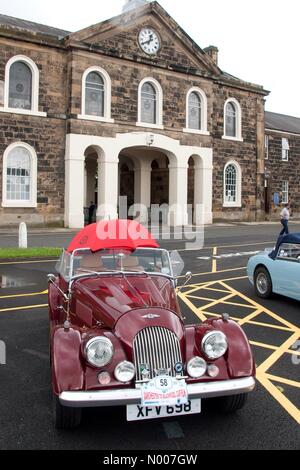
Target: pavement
x=271 y=418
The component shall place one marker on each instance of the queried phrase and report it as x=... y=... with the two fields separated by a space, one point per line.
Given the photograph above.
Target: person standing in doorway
x=285 y=217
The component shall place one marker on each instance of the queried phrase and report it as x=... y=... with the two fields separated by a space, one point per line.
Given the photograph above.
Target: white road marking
x=229 y=255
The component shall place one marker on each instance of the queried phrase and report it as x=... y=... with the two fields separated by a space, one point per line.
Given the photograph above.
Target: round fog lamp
x=196 y=367
x=104 y=378
x=124 y=372
x=213 y=370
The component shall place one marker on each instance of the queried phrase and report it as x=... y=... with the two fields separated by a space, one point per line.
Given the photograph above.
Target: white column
x=74 y=191
x=142 y=184
x=178 y=183
x=108 y=189
x=203 y=195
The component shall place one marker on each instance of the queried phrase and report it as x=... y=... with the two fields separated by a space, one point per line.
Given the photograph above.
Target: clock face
x=149 y=41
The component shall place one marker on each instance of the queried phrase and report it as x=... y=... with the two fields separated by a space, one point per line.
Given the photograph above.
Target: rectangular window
x=266 y=147
x=285 y=149
x=285 y=192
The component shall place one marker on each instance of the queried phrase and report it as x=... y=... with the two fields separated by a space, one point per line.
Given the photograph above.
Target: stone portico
x=148 y=146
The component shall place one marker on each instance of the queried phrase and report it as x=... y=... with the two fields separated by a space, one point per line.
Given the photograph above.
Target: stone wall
x=45 y=134
x=61 y=70
x=279 y=171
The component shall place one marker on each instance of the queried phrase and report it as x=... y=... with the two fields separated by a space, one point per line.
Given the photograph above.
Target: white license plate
x=139 y=413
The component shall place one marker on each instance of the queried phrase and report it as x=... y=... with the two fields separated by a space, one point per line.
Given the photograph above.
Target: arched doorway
x=90 y=185
x=160 y=180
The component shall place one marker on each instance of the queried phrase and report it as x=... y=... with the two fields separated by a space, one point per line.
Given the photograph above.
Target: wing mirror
x=52 y=279
x=188 y=277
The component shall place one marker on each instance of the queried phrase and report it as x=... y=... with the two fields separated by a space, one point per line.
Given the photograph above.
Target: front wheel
x=262 y=283
x=65 y=417
x=232 y=403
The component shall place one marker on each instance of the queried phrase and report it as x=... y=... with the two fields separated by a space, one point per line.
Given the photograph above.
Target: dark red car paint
x=115 y=306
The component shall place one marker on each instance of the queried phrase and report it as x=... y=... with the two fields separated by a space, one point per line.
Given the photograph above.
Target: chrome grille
x=157 y=347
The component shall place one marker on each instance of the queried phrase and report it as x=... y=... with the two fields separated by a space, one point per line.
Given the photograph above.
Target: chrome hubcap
x=262 y=283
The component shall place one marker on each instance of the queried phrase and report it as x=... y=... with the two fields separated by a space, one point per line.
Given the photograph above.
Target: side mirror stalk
x=52 y=279
x=188 y=277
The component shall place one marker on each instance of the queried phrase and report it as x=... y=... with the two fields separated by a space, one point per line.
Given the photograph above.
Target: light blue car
x=278 y=270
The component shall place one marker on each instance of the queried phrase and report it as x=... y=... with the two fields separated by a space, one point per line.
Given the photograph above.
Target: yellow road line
x=257 y=305
x=217 y=290
x=249 y=322
x=24 y=295
x=214 y=261
x=236 y=304
x=27 y=307
x=250 y=317
x=199 y=298
x=278 y=353
x=282 y=380
x=284 y=401
x=221 y=271
x=263 y=345
x=215 y=281
x=29 y=262
x=192 y=307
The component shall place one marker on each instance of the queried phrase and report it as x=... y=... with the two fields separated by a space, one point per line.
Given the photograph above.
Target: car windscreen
x=120 y=260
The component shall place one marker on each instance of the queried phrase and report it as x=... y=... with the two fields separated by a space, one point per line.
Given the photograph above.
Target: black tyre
x=232 y=403
x=65 y=417
x=263 y=283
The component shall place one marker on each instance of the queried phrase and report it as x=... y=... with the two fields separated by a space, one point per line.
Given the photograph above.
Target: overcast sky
x=258 y=40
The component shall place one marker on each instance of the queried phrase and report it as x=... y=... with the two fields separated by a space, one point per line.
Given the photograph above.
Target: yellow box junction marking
x=264 y=376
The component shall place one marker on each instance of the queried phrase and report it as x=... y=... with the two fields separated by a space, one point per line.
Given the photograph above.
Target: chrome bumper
x=132 y=396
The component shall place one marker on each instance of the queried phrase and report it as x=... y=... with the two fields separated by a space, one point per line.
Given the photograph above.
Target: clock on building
x=149 y=41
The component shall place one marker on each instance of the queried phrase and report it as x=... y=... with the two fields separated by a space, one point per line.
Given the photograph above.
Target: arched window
x=150 y=104
x=19 y=176
x=20 y=86
x=196 y=112
x=232 y=120
x=232 y=185
x=96 y=95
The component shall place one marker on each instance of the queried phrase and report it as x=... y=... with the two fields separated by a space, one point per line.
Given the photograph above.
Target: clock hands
x=148 y=41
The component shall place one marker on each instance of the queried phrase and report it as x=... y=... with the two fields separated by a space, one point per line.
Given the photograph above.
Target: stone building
x=130 y=106
x=282 y=163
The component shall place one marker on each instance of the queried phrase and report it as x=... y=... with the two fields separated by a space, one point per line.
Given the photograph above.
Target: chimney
x=212 y=52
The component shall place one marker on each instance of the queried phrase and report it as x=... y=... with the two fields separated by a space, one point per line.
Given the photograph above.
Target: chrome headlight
x=196 y=367
x=124 y=372
x=214 y=344
x=99 y=351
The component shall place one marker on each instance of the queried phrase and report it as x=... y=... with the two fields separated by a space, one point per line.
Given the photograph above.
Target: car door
x=286 y=271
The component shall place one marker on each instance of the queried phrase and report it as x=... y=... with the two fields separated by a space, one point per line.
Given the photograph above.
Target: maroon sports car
x=117 y=336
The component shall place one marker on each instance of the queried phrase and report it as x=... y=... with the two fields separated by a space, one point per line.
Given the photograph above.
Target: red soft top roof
x=106 y=234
